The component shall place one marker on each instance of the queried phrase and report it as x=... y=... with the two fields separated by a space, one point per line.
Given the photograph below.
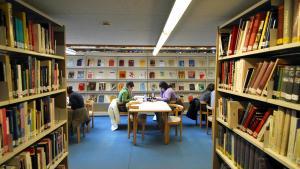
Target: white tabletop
x=158 y=106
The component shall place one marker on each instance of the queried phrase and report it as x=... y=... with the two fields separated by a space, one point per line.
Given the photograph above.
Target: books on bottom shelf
x=277 y=129
x=23 y=121
x=43 y=154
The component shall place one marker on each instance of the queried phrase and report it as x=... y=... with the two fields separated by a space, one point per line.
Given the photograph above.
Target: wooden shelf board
x=222 y=122
x=260 y=3
x=282 y=159
x=261 y=51
x=29 y=52
x=4 y=103
x=229 y=162
x=59 y=160
x=32 y=140
x=249 y=138
x=18 y=100
x=264 y=99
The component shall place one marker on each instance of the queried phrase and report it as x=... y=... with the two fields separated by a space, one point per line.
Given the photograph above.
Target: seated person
x=125 y=96
x=78 y=113
x=206 y=95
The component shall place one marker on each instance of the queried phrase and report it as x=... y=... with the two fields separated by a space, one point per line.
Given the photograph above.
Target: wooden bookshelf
x=28 y=90
x=287 y=52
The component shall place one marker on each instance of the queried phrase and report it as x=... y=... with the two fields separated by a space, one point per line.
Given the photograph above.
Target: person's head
x=130 y=85
x=210 y=87
x=163 y=85
x=69 y=90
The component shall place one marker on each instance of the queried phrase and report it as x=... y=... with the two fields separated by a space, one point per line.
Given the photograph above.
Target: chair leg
x=93 y=120
x=176 y=130
x=128 y=126
x=206 y=125
x=143 y=129
x=181 y=131
x=78 y=134
x=83 y=129
x=200 y=120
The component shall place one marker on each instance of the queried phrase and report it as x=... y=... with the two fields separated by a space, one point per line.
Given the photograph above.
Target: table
x=151 y=107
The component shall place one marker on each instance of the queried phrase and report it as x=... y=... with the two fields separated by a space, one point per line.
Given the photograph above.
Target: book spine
x=262 y=122
x=249 y=31
x=287 y=21
x=265 y=78
x=256 y=25
x=296 y=86
x=280 y=24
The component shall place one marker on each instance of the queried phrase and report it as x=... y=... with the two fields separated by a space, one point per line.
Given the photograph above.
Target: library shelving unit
x=107 y=71
x=33 y=113
x=237 y=71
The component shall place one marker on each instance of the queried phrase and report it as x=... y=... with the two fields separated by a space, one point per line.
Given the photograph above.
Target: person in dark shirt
x=205 y=96
x=78 y=114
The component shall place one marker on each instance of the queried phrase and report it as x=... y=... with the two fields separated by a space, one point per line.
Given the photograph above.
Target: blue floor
x=103 y=149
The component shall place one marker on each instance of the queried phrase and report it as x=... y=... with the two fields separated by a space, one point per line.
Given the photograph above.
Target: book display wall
x=102 y=75
x=257 y=121
x=33 y=116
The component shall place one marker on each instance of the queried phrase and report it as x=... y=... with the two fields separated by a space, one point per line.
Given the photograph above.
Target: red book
x=4 y=129
x=265 y=78
x=111 y=62
x=280 y=24
x=262 y=122
x=254 y=31
x=234 y=33
x=249 y=117
x=247 y=39
x=230 y=74
x=81 y=86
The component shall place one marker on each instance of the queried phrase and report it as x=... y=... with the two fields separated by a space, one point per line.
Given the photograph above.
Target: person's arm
x=72 y=101
x=166 y=96
x=125 y=97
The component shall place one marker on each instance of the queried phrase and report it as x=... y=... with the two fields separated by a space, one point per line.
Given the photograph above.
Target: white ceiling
x=139 y=22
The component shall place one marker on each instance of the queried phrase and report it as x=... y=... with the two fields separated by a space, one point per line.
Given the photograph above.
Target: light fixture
x=70 y=51
x=177 y=11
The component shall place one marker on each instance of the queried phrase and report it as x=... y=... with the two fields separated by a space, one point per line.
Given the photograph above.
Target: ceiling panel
x=139 y=22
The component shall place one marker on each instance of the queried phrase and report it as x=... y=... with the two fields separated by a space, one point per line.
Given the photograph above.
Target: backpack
x=193 y=109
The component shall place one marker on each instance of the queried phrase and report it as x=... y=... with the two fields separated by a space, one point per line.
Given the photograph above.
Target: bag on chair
x=193 y=109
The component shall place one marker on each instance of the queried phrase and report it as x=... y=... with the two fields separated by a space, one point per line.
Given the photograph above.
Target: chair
x=176 y=119
x=209 y=117
x=142 y=119
x=202 y=111
x=89 y=105
x=78 y=128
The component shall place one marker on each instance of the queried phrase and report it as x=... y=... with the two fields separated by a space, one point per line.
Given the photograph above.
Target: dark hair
x=69 y=89
x=210 y=87
x=163 y=85
x=130 y=84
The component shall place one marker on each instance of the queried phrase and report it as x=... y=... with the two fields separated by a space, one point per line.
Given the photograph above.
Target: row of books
x=278 y=128
x=20 y=31
x=94 y=62
x=139 y=86
x=23 y=121
x=42 y=154
x=261 y=78
x=242 y=153
x=265 y=29
x=112 y=74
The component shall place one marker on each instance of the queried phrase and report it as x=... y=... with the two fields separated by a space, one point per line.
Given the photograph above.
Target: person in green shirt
x=125 y=96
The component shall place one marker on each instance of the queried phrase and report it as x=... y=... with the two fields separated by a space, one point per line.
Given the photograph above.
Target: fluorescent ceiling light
x=70 y=51
x=177 y=11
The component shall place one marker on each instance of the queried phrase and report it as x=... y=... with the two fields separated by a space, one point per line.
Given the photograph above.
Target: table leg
x=128 y=125
x=166 y=128
x=134 y=127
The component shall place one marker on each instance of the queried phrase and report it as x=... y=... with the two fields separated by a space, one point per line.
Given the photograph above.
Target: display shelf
x=59 y=160
x=227 y=160
x=11 y=50
x=31 y=141
x=191 y=80
x=98 y=92
x=280 y=48
x=264 y=99
x=92 y=80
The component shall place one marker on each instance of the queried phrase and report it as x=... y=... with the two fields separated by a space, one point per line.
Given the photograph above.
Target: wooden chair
x=80 y=127
x=142 y=119
x=209 y=117
x=176 y=119
x=202 y=111
x=89 y=105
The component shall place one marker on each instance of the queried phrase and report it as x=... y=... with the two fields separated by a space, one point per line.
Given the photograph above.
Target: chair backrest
x=89 y=105
x=176 y=109
x=111 y=98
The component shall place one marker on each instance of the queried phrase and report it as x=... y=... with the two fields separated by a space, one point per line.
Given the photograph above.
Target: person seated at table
x=125 y=96
x=206 y=95
x=78 y=114
x=167 y=94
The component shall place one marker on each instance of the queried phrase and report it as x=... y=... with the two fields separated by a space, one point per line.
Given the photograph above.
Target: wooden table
x=151 y=107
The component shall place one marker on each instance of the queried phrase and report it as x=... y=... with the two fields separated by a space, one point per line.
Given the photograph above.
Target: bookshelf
x=33 y=87
x=164 y=67
x=258 y=113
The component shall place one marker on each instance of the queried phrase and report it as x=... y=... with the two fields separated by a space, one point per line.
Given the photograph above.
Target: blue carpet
x=103 y=149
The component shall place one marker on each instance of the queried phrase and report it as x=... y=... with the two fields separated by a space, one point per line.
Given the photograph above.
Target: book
x=201 y=87
x=202 y=75
x=191 y=74
x=80 y=74
x=142 y=63
x=122 y=74
x=181 y=87
x=120 y=86
x=232 y=41
x=181 y=74
x=152 y=75
x=152 y=62
x=171 y=63
x=90 y=74
x=99 y=62
x=81 y=86
x=91 y=86
x=102 y=86
x=121 y=62
x=162 y=63
x=100 y=99
x=113 y=86
x=111 y=62
x=142 y=86
x=91 y=62
x=280 y=24
x=131 y=74
x=130 y=63
x=287 y=21
x=192 y=86
x=191 y=63
x=71 y=75
x=181 y=63
x=79 y=62
x=162 y=74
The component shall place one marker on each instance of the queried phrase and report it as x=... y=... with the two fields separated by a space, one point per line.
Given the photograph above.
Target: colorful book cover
x=192 y=86
x=191 y=63
x=142 y=86
x=181 y=63
x=191 y=74
x=80 y=74
x=91 y=86
x=102 y=86
x=99 y=62
x=113 y=87
x=172 y=74
x=181 y=74
x=152 y=62
x=120 y=86
x=154 y=87
x=131 y=75
x=142 y=63
x=90 y=62
x=111 y=62
x=121 y=62
x=90 y=75
x=181 y=87
x=79 y=62
x=100 y=99
x=71 y=75
x=122 y=74
x=130 y=63
x=152 y=75
x=81 y=86
x=142 y=75
x=201 y=87
x=202 y=75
